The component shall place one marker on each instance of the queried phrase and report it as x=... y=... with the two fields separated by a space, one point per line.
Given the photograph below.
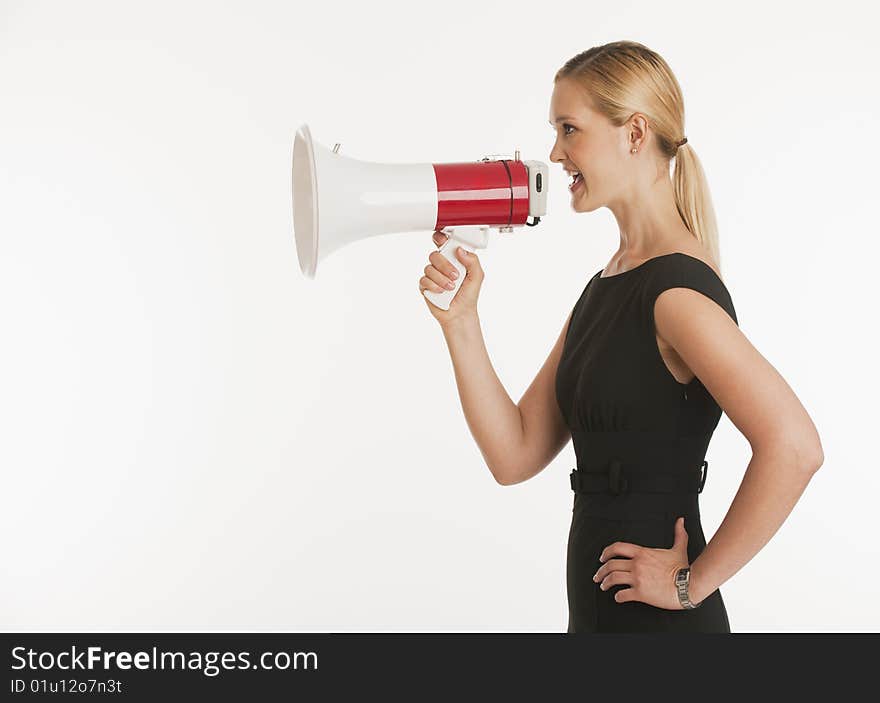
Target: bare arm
x=786 y=450
x=517 y=441
x=544 y=428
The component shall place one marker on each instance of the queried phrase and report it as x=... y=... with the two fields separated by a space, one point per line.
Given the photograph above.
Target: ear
x=637 y=131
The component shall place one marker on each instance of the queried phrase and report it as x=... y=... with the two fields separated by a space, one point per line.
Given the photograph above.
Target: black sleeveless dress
x=640 y=438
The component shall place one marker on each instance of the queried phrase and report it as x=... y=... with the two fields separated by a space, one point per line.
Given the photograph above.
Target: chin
x=582 y=203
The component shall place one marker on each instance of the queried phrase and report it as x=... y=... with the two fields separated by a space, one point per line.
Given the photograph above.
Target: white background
x=197 y=437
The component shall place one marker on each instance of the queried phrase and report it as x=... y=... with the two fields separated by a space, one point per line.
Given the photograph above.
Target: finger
x=617 y=578
x=619 y=549
x=438 y=278
x=426 y=283
x=444 y=265
x=627 y=594
x=470 y=261
x=612 y=565
x=439 y=238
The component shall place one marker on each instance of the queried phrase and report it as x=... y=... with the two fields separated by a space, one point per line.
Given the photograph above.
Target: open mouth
x=576 y=183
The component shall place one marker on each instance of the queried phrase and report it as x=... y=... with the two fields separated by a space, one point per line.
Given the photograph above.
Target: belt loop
x=616 y=483
x=704 y=471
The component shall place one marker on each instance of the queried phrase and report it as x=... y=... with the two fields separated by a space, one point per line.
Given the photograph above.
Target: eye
x=563 y=129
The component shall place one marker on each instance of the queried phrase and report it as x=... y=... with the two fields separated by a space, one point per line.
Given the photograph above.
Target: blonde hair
x=625 y=77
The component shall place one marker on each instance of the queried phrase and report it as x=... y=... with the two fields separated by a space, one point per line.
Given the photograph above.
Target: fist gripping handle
x=469 y=238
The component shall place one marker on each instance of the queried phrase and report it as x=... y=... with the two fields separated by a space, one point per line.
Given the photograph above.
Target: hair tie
x=683 y=141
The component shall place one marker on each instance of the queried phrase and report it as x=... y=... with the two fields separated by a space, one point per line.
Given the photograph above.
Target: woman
x=646 y=361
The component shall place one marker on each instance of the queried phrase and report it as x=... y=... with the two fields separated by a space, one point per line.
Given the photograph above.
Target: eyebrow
x=559 y=119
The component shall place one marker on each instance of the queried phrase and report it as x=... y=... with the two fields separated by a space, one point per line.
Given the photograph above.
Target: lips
x=576 y=183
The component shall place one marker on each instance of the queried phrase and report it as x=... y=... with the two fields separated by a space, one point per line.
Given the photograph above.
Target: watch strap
x=682 y=581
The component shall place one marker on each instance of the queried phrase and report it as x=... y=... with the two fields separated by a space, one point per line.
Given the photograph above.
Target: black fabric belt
x=615 y=480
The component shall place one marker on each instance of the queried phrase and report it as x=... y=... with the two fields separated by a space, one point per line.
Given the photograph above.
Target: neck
x=649 y=221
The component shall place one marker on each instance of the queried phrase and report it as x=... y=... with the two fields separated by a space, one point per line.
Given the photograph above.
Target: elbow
x=817 y=458
x=501 y=477
x=810 y=458
x=802 y=450
x=506 y=477
x=814 y=455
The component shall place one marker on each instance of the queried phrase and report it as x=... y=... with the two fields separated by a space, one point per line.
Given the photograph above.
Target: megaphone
x=338 y=200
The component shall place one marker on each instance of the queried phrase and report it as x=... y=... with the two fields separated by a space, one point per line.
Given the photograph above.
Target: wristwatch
x=682 y=579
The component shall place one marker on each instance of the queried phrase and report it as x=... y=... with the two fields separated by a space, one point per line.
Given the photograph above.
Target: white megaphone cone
x=338 y=200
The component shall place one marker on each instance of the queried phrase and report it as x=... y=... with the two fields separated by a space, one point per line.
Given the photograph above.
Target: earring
x=633 y=150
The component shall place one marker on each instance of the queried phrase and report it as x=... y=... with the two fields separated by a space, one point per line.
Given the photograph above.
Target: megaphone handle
x=444 y=299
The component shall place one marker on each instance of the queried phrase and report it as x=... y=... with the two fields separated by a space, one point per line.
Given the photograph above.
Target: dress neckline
x=645 y=262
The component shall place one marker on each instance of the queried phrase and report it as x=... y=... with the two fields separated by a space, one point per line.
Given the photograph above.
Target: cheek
x=589 y=161
x=600 y=171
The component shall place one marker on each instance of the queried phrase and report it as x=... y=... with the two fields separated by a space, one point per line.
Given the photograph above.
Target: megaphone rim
x=305 y=134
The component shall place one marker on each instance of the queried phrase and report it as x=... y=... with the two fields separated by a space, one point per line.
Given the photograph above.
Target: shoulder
x=687 y=262
x=690 y=280
x=699 y=260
